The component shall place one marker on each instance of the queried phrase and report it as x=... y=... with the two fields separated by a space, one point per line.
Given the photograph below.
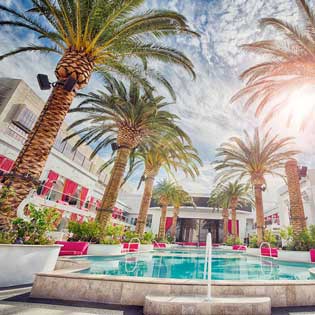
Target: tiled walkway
x=19 y=302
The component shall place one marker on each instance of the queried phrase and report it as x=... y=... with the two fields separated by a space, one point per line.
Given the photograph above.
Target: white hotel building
x=278 y=216
x=71 y=181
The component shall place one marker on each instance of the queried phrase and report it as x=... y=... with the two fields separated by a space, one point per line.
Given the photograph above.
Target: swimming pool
x=182 y=264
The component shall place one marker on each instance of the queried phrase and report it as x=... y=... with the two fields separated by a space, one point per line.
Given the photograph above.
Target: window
x=79 y=158
x=16 y=133
x=149 y=220
x=59 y=145
x=87 y=164
x=68 y=151
x=24 y=118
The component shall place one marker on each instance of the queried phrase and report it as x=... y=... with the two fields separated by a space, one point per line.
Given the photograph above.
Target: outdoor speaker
x=43 y=81
x=114 y=146
x=303 y=171
x=69 y=84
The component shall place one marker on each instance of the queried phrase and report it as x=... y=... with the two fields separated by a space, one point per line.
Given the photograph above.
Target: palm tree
x=171 y=154
x=126 y=120
x=233 y=194
x=90 y=35
x=220 y=200
x=253 y=159
x=179 y=198
x=287 y=68
x=163 y=193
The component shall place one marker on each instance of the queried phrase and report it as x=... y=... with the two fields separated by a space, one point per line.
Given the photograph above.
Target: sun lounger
x=73 y=248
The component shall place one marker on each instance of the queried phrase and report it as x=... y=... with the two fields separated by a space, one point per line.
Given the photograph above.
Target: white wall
x=199 y=213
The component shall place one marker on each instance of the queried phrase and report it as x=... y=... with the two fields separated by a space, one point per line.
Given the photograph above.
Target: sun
x=300 y=109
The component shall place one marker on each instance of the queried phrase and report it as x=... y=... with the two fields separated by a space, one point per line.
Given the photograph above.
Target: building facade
x=70 y=180
x=278 y=216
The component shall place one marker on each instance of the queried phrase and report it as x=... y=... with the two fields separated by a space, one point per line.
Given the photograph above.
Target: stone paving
x=18 y=302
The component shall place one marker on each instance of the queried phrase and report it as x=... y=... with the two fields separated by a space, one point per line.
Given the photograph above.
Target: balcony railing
x=56 y=196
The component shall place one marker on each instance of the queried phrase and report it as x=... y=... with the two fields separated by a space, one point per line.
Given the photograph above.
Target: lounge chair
x=159 y=245
x=130 y=247
x=269 y=252
x=239 y=247
x=73 y=248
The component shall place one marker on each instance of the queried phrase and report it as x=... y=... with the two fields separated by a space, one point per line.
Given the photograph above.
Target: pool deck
x=20 y=302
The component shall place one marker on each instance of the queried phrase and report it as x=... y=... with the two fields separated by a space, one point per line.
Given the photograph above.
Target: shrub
x=270 y=238
x=86 y=231
x=253 y=241
x=32 y=231
x=113 y=234
x=147 y=238
x=231 y=241
x=129 y=235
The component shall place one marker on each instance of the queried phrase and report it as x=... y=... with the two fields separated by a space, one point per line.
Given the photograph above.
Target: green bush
x=129 y=235
x=231 y=241
x=270 y=238
x=86 y=231
x=32 y=231
x=113 y=234
x=253 y=241
x=147 y=238
x=298 y=242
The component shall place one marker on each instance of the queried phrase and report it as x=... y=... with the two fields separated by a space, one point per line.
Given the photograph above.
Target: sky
x=203 y=105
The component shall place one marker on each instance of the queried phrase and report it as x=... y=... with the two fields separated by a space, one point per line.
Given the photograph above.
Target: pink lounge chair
x=190 y=244
x=215 y=245
x=239 y=247
x=73 y=248
x=159 y=245
x=312 y=253
x=130 y=247
x=269 y=252
x=202 y=244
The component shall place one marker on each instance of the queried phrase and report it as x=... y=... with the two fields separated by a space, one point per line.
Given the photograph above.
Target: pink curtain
x=6 y=164
x=52 y=177
x=69 y=189
x=83 y=195
x=117 y=213
x=90 y=202
x=168 y=223
x=230 y=227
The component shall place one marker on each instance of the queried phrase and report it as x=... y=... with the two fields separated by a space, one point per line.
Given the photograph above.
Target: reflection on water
x=240 y=267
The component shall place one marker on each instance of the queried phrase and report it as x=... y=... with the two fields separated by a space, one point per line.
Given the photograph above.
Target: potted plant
x=25 y=248
x=146 y=241
x=109 y=242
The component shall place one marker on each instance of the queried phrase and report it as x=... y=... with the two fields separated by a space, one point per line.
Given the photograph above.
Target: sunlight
x=301 y=106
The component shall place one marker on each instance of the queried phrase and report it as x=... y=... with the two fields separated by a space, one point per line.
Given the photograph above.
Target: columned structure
x=297 y=216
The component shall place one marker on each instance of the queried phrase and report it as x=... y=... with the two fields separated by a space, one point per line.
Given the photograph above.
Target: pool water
x=180 y=265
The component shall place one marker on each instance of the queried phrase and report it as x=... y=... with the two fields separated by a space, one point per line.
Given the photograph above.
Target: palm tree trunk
x=234 y=229
x=145 y=204
x=104 y=213
x=32 y=158
x=259 y=213
x=297 y=215
x=161 y=235
x=225 y=214
x=174 y=222
x=234 y=202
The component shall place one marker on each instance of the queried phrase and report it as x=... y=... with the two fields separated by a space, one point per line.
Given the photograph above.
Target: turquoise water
x=181 y=265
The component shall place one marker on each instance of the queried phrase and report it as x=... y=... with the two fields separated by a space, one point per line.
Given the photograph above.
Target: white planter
x=289 y=255
x=146 y=247
x=103 y=250
x=20 y=263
